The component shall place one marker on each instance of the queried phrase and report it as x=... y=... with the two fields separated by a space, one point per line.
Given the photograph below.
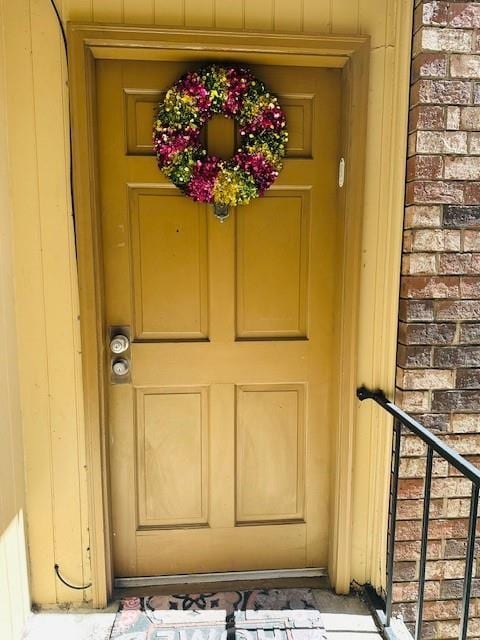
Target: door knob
x=120 y=367
x=119 y=343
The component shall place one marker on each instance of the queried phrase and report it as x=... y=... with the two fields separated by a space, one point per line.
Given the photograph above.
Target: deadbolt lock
x=120 y=367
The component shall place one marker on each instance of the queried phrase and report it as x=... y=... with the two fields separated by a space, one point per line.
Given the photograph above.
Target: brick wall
x=438 y=375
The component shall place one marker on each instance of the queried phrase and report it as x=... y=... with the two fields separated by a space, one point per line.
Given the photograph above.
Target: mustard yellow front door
x=219 y=439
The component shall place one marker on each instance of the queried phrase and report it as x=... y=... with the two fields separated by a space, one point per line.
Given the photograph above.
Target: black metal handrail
x=434 y=445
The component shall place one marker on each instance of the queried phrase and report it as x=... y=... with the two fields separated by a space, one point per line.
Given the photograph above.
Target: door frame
x=91 y=42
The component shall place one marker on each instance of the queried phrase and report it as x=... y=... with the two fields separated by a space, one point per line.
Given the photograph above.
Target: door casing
x=87 y=43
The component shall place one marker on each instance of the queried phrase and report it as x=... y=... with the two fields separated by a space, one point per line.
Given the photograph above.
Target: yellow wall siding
x=47 y=306
x=14 y=596
x=47 y=309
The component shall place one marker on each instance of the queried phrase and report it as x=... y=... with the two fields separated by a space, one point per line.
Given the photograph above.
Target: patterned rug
x=261 y=614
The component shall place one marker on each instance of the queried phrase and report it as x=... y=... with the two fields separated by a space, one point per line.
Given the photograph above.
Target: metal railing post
x=467 y=585
x=424 y=544
x=467 y=470
x=393 y=518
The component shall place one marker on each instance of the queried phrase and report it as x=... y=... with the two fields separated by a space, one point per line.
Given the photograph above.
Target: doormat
x=260 y=614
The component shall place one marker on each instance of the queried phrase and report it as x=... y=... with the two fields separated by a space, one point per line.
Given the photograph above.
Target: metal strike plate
x=119 y=351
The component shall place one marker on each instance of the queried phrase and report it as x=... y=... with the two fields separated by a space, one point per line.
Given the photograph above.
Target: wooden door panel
x=219 y=443
x=270 y=456
x=140 y=107
x=222 y=549
x=172 y=426
x=169 y=259
x=298 y=110
x=272 y=244
x=212 y=362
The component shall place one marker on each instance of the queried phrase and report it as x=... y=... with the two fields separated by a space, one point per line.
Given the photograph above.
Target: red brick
x=414 y=357
x=426 y=333
x=470 y=287
x=472 y=193
x=426 y=118
x=470 y=334
x=465 y=15
x=435 y=39
x=408 y=591
x=453 y=118
x=471 y=240
x=474 y=143
x=454 y=588
x=465 y=66
x=457 y=310
x=470 y=118
x=458 y=356
x=434 y=421
x=426 y=240
x=466 y=168
x=465 y=422
x=441 y=92
x=412 y=310
x=459 y=263
x=429 y=65
x=431 y=14
x=425 y=167
x=465 y=444
x=424 y=379
x=415 y=468
x=419 y=264
x=456 y=401
x=411 y=445
x=441 y=142
x=435 y=192
x=430 y=287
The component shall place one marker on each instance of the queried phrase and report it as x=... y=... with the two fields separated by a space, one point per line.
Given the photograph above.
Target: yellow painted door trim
x=88 y=43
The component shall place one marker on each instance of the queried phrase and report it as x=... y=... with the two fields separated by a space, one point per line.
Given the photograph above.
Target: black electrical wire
x=70 y=142
x=62 y=28
x=65 y=46
x=67 y=584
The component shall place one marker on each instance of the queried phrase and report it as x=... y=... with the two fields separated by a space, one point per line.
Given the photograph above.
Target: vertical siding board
x=29 y=294
x=108 y=10
x=47 y=52
x=259 y=15
x=79 y=10
x=14 y=596
x=373 y=22
x=288 y=16
x=168 y=13
x=317 y=16
x=138 y=11
x=229 y=15
x=199 y=14
x=345 y=16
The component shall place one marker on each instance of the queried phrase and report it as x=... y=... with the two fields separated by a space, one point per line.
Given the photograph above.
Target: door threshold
x=230 y=576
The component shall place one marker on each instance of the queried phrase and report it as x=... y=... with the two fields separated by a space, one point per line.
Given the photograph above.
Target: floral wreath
x=189 y=104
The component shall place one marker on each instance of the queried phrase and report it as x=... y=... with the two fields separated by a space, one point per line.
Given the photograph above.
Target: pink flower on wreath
x=262 y=171
x=272 y=118
x=238 y=82
x=192 y=85
x=201 y=185
x=168 y=142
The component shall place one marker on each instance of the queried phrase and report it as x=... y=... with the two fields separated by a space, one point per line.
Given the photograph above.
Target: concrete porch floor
x=345 y=617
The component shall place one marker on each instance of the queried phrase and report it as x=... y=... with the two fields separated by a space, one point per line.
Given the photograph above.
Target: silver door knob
x=119 y=343
x=120 y=367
